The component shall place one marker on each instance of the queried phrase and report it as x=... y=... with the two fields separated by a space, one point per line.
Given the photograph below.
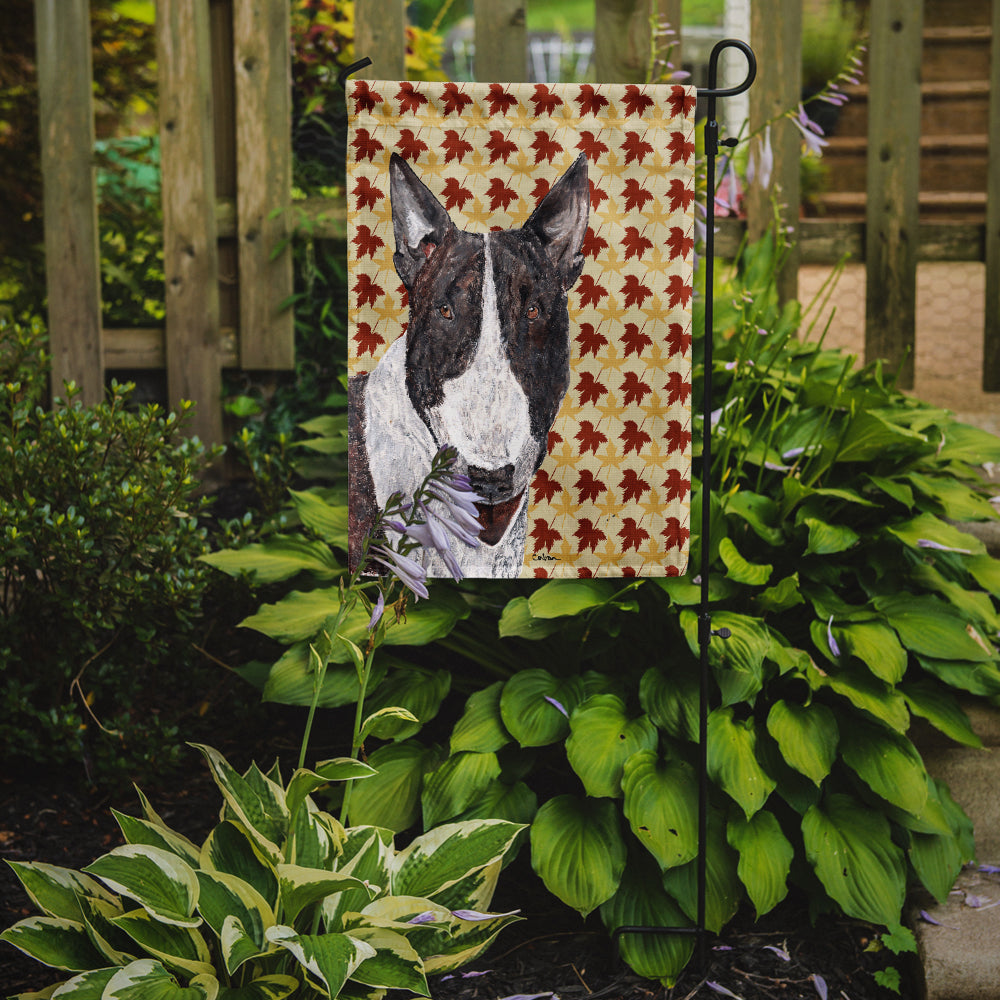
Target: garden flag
x=520 y=283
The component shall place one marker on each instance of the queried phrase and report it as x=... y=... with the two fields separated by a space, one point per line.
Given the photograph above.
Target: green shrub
x=99 y=541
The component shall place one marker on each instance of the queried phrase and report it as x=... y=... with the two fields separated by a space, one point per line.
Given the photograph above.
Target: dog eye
x=532 y=312
x=445 y=311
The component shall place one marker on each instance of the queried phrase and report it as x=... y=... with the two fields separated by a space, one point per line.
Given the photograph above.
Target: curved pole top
x=713 y=69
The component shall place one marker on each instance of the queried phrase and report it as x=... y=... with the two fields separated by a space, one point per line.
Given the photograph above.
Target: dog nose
x=493 y=485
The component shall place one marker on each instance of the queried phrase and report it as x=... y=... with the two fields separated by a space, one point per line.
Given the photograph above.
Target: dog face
x=487 y=344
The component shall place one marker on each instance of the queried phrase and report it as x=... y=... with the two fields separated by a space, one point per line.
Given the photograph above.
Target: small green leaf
x=765 y=858
x=807 y=736
x=563 y=598
x=481 y=727
x=739 y=569
x=279 y=558
x=828 y=539
x=327 y=520
x=732 y=760
x=518 y=621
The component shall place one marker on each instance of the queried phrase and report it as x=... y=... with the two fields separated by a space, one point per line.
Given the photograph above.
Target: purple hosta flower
x=475 y=915
x=834 y=648
x=728 y=193
x=812 y=134
x=927 y=543
x=780 y=952
x=465 y=975
x=760 y=165
x=719 y=988
x=990 y=869
x=410 y=573
x=377 y=612
x=820 y=983
x=427 y=917
x=558 y=705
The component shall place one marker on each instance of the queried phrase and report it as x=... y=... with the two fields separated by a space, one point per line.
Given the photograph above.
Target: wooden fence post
x=991 y=332
x=72 y=255
x=380 y=34
x=190 y=251
x=776 y=34
x=501 y=41
x=262 y=61
x=621 y=40
x=893 y=183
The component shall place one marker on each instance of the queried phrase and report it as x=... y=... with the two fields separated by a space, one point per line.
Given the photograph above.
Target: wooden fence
x=226 y=160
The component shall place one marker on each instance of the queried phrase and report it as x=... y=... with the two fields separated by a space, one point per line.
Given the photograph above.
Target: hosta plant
x=279 y=900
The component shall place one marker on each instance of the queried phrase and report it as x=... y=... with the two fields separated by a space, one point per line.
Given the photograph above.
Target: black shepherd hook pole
x=353 y=68
x=705 y=632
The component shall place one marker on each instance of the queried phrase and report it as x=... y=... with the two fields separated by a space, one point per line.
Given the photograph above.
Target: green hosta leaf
x=180 y=948
x=976 y=605
x=395 y=964
x=931 y=628
x=391 y=798
x=517 y=620
x=965 y=443
x=418 y=690
x=230 y=849
x=957 y=501
x=528 y=714
x=986 y=572
x=850 y=847
x=732 y=760
x=661 y=798
x=327 y=520
x=301 y=887
x=976 y=678
x=456 y=784
x=275 y=987
x=279 y=558
x=147 y=979
x=438 y=859
x=876 y=646
x=602 y=738
x=758 y=511
x=828 y=539
x=741 y=571
x=163 y=884
x=641 y=901
x=870 y=436
x=225 y=897
x=578 y=851
x=561 y=598
x=888 y=763
x=937 y=859
x=330 y=959
x=670 y=698
x=738 y=661
x=304 y=782
x=783 y=595
x=141 y=831
x=864 y=692
x=56 y=891
x=765 y=858
x=941 y=709
x=367 y=854
x=54 y=941
x=807 y=736
x=481 y=728
x=516 y=803
x=292 y=680
x=928 y=528
x=386 y=723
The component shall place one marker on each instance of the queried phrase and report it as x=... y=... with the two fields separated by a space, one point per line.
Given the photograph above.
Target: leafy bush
x=99 y=539
x=279 y=898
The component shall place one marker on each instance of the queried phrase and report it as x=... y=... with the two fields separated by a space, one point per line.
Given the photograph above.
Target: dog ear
x=560 y=221
x=419 y=221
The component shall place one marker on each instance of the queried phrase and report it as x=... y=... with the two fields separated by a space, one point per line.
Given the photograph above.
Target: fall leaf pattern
x=612 y=497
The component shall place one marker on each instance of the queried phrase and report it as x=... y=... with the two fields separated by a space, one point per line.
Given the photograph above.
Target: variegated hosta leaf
x=468 y=939
x=329 y=959
x=476 y=890
x=418 y=690
x=765 y=858
x=177 y=947
x=225 y=897
x=481 y=727
x=456 y=784
x=274 y=987
x=158 y=880
x=300 y=887
x=304 y=782
x=661 y=799
x=732 y=760
x=441 y=857
x=315 y=838
x=147 y=979
x=535 y=706
x=367 y=853
x=391 y=799
x=238 y=945
x=54 y=941
x=395 y=964
x=578 y=851
x=116 y=946
x=87 y=986
x=230 y=849
x=807 y=736
x=141 y=831
x=56 y=891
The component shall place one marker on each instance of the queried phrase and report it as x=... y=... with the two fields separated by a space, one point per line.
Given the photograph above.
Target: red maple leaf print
x=677 y=437
x=367 y=291
x=678 y=339
x=409 y=98
x=675 y=533
x=366 y=145
x=632 y=486
x=680 y=149
x=365 y=98
x=589 y=487
x=591 y=146
x=367 y=242
x=499 y=100
x=589 y=388
x=590 y=100
x=593 y=244
x=409 y=145
x=676 y=485
x=678 y=389
x=584 y=573
x=635 y=293
x=678 y=290
x=454 y=100
x=544 y=536
x=455 y=194
x=635 y=195
x=635 y=244
x=596 y=196
x=541 y=574
x=545 y=100
x=367 y=339
x=590 y=291
x=632 y=534
x=678 y=244
x=404 y=296
x=634 y=437
x=541 y=188
x=682 y=101
x=500 y=146
x=588 y=534
x=500 y=195
x=545 y=147
x=636 y=102
x=553 y=439
x=635 y=340
x=633 y=390
x=590 y=340
x=367 y=193
x=545 y=487
x=454 y=146
x=635 y=148
x=679 y=195
x=590 y=437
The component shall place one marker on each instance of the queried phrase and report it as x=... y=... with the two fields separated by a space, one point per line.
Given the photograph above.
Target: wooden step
x=957 y=206
x=940 y=13
x=956 y=53
x=946 y=105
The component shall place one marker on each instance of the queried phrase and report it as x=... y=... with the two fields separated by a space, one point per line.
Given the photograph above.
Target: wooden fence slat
x=621 y=40
x=893 y=184
x=501 y=41
x=776 y=36
x=380 y=34
x=262 y=61
x=669 y=47
x=72 y=255
x=991 y=332
x=190 y=253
